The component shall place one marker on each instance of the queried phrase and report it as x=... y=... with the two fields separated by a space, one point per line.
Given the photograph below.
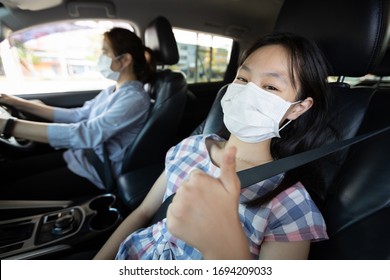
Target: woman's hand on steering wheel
x=7 y=112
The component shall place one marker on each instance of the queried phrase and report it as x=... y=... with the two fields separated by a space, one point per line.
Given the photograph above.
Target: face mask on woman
x=253 y=114
x=104 y=67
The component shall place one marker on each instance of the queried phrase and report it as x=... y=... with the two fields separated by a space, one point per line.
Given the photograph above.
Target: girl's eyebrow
x=245 y=68
x=276 y=75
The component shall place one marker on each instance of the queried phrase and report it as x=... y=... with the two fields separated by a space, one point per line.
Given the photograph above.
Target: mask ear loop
x=283 y=126
x=118 y=58
x=289 y=121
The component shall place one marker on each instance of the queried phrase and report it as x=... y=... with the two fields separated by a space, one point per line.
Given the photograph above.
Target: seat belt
x=102 y=168
x=259 y=173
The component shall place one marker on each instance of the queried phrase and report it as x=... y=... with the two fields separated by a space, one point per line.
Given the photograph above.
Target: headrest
x=383 y=68
x=159 y=37
x=214 y=120
x=352 y=34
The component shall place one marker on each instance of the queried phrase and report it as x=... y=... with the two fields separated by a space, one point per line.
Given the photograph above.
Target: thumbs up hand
x=204 y=212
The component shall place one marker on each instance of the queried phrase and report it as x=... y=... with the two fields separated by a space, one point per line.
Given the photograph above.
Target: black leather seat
x=160 y=131
x=353 y=36
x=357 y=207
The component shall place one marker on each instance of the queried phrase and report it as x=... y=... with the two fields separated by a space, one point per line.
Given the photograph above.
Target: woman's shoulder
x=132 y=88
x=132 y=94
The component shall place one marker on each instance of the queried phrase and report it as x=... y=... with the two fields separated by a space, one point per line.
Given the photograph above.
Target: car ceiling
x=244 y=20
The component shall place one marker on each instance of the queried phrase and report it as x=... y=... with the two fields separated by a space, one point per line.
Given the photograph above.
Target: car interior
x=354 y=37
x=159 y=133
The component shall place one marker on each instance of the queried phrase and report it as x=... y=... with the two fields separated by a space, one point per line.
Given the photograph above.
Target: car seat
x=354 y=37
x=160 y=131
x=169 y=90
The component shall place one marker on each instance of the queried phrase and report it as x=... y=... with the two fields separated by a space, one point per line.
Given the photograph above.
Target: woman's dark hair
x=125 y=41
x=309 y=68
x=152 y=63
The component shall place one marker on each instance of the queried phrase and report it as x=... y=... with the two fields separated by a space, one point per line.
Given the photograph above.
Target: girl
x=110 y=121
x=275 y=107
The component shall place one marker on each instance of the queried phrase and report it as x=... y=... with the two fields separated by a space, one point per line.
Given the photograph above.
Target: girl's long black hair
x=312 y=129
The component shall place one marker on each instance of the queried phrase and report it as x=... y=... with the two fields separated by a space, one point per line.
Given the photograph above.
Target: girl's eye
x=270 y=88
x=241 y=79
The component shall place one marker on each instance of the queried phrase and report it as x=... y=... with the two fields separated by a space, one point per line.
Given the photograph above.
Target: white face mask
x=253 y=114
x=104 y=66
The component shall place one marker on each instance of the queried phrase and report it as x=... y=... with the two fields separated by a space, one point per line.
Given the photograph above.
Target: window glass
x=203 y=57
x=354 y=81
x=55 y=57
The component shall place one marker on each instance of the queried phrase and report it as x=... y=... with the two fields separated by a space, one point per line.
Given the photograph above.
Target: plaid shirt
x=290 y=216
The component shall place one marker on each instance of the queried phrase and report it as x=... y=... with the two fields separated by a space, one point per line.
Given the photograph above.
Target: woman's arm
x=35 y=131
x=295 y=250
x=36 y=108
x=137 y=219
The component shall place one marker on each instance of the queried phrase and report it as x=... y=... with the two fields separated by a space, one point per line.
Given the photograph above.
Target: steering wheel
x=14 y=142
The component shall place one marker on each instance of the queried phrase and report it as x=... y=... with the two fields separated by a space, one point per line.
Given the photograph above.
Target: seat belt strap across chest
x=259 y=173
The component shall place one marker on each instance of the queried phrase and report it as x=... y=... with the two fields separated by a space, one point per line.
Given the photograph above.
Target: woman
x=275 y=107
x=109 y=121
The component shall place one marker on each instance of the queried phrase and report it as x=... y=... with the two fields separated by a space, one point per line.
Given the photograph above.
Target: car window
x=203 y=57
x=353 y=81
x=55 y=57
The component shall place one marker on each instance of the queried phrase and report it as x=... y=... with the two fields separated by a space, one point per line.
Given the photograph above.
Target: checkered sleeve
x=295 y=217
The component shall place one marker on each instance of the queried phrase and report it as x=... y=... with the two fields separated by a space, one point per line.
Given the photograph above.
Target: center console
x=53 y=226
